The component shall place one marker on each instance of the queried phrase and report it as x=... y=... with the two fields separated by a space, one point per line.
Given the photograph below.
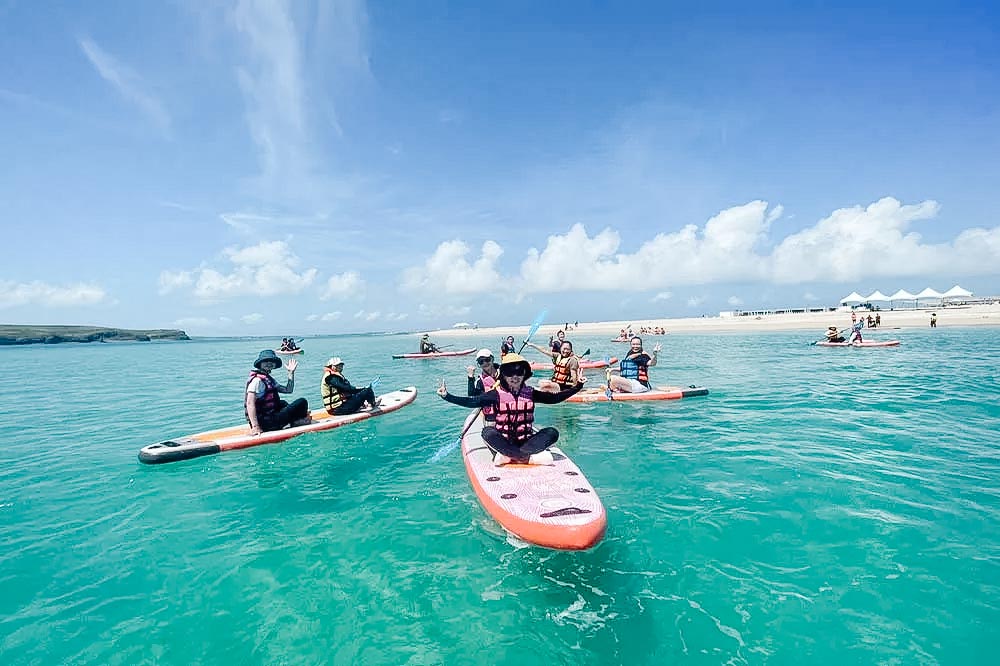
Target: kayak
x=865 y=343
x=239 y=437
x=293 y=351
x=658 y=393
x=464 y=352
x=553 y=506
x=583 y=364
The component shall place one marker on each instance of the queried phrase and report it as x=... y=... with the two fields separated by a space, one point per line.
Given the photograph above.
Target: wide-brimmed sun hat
x=267 y=355
x=334 y=362
x=510 y=360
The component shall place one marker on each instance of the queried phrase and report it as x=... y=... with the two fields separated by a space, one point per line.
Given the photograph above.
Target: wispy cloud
x=128 y=84
x=290 y=48
x=252 y=318
x=13 y=294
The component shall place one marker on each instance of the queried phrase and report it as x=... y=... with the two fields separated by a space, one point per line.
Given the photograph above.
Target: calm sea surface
x=821 y=506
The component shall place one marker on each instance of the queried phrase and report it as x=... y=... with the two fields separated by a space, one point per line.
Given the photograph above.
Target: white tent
x=903 y=295
x=853 y=297
x=957 y=292
x=928 y=294
x=876 y=296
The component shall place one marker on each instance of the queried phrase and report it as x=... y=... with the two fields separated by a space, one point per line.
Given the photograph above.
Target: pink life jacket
x=268 y=403
x=515 y=413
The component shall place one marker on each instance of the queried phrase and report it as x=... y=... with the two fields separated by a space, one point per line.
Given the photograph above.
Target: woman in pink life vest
x=512 y=436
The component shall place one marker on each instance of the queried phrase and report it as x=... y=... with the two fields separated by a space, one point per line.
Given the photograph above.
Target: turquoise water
x=822 y=506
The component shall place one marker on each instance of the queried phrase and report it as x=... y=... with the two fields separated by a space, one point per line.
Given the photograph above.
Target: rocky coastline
x=12 y=334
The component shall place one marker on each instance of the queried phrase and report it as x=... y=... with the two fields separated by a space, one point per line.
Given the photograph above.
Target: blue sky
x=267 y=168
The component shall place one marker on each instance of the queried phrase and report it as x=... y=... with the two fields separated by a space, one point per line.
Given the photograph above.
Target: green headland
x=15 y=334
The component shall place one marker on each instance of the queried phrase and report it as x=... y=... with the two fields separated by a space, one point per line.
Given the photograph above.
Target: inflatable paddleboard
x=464 y=352
x=239 y=437
x=553 y=506
x=657 y=393
x=584 y=365
x=293 y=351
x=865 y=343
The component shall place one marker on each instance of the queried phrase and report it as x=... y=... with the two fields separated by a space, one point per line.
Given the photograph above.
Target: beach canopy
x=957 y=292
x=930 y=293
x=903 y=295
x=853 y=297
x=876 y=296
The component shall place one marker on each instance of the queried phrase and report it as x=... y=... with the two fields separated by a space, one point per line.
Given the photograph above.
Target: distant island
x=12 y=334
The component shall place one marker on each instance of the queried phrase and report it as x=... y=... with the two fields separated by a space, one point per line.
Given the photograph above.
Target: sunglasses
x=513 y=372
x=484 y=361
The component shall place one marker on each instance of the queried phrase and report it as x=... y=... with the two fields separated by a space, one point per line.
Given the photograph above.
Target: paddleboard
x=657 y=393
x=585 y=365
x=553 y=506
x=865 y=343
x=464 y=352
x=239 y=437
x=293 y=351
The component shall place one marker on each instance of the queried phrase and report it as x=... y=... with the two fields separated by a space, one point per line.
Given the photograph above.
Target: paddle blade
x=443 y=452
x=375 y=382
x=534 y=328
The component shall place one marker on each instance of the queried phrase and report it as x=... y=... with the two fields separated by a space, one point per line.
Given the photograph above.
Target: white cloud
x=732 y=247
x=695 y=301
x=13 y=294
x=252 y=318
x=330 y=316
x=129 y=84
x=735 y=301
x=662 y=296
x=448 y=270
x=364 y=315
x=861 y=242
x=396 y=316
x=265 y=269
x=344 y=285
x=171 y=280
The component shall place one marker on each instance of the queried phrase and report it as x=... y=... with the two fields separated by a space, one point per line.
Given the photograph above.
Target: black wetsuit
x=354 y=397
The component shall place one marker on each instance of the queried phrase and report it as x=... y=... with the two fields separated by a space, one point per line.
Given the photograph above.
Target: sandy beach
x=951 y=315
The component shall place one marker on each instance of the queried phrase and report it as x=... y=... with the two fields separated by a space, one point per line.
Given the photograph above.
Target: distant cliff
x=12 y=334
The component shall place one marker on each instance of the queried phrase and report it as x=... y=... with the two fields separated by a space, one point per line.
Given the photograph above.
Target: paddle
x=448 y=448
x=608 y=393
x=373 y=383
x=534 y=328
